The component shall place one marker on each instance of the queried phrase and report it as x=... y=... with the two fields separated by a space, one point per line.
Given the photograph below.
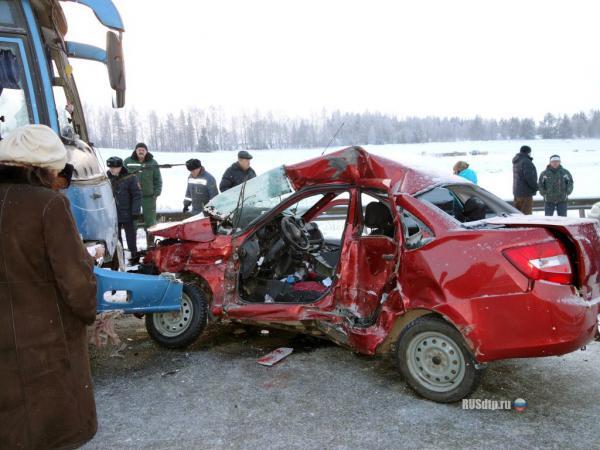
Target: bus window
x=64 y=110
x=10 y=15
x=14 y=104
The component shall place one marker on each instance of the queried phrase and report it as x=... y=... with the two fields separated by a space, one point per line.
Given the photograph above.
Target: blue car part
x=145 y=293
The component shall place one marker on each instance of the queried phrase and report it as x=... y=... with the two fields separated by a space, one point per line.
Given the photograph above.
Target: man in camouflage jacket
x=555 y=184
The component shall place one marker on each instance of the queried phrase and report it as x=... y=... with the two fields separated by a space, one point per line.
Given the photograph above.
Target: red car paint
x=461 y=274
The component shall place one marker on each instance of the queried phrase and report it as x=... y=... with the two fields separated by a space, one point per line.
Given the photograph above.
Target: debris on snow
x=117 y=353
x=103 y=330
x=275 y=356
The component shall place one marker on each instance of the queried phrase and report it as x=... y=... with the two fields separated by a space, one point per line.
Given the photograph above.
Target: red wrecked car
x=382 y=258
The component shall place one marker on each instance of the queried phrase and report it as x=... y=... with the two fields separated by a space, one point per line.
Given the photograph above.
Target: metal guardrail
x=579 y=204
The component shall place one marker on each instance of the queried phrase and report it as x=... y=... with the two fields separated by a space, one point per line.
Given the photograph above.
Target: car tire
x=180 y=329
x=436 y=362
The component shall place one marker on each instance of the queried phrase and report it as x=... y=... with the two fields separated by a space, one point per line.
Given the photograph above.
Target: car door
x=238 y=308
x=369 y=267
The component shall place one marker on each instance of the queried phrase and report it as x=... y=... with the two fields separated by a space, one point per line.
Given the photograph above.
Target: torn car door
x=369 y=266
x=268 y=281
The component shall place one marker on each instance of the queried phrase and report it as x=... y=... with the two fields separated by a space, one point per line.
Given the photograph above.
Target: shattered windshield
x=260 y=194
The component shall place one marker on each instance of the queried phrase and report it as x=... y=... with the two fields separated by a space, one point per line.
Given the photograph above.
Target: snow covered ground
x=580 y=156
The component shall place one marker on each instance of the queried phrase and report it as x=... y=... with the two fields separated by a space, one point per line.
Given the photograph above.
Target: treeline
x=211 y=129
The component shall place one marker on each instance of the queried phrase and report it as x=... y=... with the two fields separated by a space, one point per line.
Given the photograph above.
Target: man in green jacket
x=556 y=184
x=144 y=166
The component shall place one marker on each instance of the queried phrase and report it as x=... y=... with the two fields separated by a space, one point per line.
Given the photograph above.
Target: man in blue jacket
x=201 y=187
x=128 y=197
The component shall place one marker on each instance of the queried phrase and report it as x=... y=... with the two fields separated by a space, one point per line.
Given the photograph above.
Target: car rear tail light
x=544 y=261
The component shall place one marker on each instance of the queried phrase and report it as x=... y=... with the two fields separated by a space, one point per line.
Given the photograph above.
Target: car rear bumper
x=549 y=320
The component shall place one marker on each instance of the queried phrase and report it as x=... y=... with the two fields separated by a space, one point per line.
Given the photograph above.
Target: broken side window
x=466 y=202
x=416 y=233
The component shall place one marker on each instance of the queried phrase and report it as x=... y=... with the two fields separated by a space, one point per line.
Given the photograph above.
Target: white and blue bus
x=37 y=86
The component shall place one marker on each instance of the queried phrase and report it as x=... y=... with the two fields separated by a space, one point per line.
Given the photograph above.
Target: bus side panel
x=94 y=210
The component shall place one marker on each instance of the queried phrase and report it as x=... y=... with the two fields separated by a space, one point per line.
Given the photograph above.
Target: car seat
x=474 y=209
x=379 y=218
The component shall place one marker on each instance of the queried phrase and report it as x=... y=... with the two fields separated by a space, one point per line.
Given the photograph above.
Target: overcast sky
x=495 y=58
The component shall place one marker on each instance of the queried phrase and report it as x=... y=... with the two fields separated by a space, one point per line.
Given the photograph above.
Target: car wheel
x=436 y=362
x=180 y=328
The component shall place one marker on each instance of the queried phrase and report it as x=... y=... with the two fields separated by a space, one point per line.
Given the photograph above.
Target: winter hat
x=595 y=212
x=142 y=145
x=114 y=161
x=555 y=158
x=525 y=149
x=193 y=164
x=33 y=145
x=243 y=154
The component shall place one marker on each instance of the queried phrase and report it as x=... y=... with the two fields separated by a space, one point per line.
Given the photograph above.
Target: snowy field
x=494 y=169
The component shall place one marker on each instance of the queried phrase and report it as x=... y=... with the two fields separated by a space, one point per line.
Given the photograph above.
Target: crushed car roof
x=354 y=163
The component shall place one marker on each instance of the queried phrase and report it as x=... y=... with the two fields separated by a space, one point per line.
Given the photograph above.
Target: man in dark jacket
x=142 y=164
x=556 y=184
x=201 y=187
x=238 y=172
x=128 y=197
x=524 y=180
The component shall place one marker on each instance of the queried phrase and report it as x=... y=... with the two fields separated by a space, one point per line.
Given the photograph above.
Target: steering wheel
x=292 y=230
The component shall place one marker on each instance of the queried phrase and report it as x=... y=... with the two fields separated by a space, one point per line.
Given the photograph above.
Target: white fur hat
x=595 y=211
x=33 y=145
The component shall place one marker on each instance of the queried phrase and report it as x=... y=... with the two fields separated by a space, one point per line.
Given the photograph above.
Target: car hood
x=194 y=229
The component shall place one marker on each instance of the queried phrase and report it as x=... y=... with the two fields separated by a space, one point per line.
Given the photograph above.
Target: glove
x=138 y=217
x=186 y=208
